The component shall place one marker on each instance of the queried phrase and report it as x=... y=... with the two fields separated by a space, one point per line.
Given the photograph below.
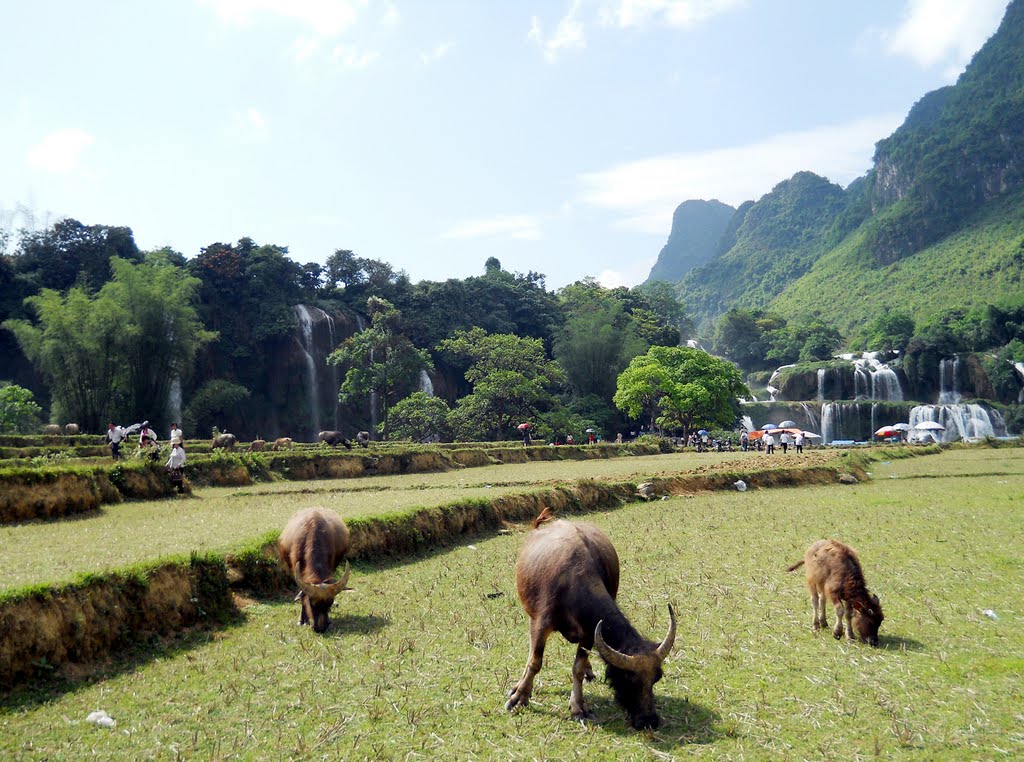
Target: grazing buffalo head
x=632 y=676
x=867 y=619
x=317 y=599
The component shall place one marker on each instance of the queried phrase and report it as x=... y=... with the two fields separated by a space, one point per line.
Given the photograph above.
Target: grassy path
x=422 y=653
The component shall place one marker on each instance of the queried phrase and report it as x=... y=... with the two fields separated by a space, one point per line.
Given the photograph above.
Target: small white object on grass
x=471 y=547
x=990 y=614
x=740 y=485
x=101 y=718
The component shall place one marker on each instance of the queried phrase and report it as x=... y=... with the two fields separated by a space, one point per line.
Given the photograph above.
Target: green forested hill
x=937 y=222
x=697 y=227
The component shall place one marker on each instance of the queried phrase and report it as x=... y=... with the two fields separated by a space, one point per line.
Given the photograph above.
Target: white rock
x=990 y=614
x=740 y=485
x=101 y=718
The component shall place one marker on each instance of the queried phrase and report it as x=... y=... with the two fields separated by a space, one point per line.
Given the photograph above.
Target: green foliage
x=681 y=387
x=512 y=380
x=211 y=404
x=19 y=413
x=379 y=359
x=891 y=330
x=420 y=417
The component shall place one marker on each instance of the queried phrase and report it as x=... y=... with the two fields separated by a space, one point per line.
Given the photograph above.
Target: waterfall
x=885 y=385
x=831 y=422
x=772 y=389
x=821 y=384
x=1019 y=366
x=862 y=382
x=812 y=418
x=307 y=346
x=844 y=421
x=174 y=400
x=949 y=381
x=426 y=385
x=335 y=377
x=961 y=421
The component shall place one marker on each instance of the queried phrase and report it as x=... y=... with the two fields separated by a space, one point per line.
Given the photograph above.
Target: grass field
x=421 y=654
x=221 y=518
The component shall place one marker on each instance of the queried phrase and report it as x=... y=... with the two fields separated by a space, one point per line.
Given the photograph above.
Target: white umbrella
x=787 y=424
x=901 y=426
x=930 y=426
x=812 y=435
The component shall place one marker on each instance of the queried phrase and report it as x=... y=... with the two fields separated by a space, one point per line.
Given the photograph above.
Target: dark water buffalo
x=567 y=577
x=312 y=545
x=363 y=438
x=71 y=429
x=334 y=438
x=834 y=572
x=224 y=441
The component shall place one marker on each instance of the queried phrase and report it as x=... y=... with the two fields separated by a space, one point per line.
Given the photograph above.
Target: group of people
x=149 y=447
x=767 y=442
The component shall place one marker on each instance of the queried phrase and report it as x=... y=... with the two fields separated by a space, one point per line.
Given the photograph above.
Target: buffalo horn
x=613 y=657
x=324 y=590
x=670 y=639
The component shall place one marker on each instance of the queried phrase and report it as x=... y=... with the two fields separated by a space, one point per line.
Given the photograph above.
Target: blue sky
x=558 y=136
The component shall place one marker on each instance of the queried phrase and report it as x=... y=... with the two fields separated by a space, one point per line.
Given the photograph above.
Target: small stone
x=847 y=479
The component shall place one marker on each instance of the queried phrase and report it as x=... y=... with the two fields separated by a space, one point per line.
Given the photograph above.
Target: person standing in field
x=176 y=433
x=769 y=444
x=175 y=465
x=799 y=442
x=784 y=440
x=115 y=434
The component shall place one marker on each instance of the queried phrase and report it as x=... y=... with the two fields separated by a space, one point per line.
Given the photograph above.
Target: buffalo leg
x=818 y=620
x=580 y=671
x=849 y=623
x=837 y=631
x=520 y=695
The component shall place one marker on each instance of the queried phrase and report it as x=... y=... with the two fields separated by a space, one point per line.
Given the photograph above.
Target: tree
x=512 y=379
x=211 y=404
x=420 y=417
x=379 y=359
x=678 y=386
x=891 y=330
x=19 y=413
x=595 y=345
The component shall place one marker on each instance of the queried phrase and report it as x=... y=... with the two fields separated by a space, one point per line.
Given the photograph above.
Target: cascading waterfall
x=307 y=346
x=861 y=382
x=174 y=400
x=1019 y=366
x=960 y=421
x=426 y=385
x=821 y=384
x=747 y=422
x=335 y=376
x=772 y=389
x=949 y=381
x=885 y=385
x=812 y=417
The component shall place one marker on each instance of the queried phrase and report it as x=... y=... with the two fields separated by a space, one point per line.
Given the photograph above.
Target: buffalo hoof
x=517 y=699
x=589 y=675
x=837 y=635
x=584 y=717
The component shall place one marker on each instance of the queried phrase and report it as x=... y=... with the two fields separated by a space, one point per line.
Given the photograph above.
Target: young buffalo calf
x=833 y=570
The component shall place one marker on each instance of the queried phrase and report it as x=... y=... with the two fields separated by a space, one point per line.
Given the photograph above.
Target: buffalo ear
x=874 y=599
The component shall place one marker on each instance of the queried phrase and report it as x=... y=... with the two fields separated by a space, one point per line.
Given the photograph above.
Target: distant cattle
x=224 y=441
x=71 y=429
x=313 y=543
x=52 y=429
x=334 y=438
x=363 y=438
x=567 y=577
x=281 y=443
x=257 y=445
x=834 y=571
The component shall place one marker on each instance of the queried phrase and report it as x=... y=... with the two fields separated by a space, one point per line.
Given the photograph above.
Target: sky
x=558 y=136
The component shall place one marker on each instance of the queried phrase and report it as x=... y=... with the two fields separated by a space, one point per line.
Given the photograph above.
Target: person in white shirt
x=176 y=465
x=114 y=436
x=799 y=442
x=176 y=433
x=784 y=440
x=769 y=444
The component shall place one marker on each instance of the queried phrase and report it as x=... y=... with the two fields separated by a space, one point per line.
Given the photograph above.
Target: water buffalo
x=71 y=429
x=311 y=546
x=567 y=577
x=258 y=445
x=52 y=429
x=334 y=438
x=833 y=571
x=363 y=438
x=281 y=443
x=224 y=441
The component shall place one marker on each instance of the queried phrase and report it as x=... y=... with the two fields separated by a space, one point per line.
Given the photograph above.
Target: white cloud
x=675 y=13
x=637 y=273
x=325 y=18
x=438 y=52
x=645 y=193
x=60 y=151
x=391 y=15
x=350 y=58
x=257 y=123
x=568 y=34
x=521 y=226
x=946 y=32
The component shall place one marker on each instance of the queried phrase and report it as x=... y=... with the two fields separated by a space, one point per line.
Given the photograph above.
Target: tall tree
x=512 y=378
x=379 y=359
x=71 y=253
x=678 y=386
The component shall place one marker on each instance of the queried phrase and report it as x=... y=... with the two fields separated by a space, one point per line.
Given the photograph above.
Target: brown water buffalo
x=71 y=429
x=312 y=545
x=224 y=441
x=567 y=577
x=258 y=445
x=281 y=443
x=52 y=429
x=833 y=571
x=334 y=438
x=363 y=438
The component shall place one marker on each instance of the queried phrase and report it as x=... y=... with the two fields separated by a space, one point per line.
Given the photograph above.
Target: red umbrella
x=523 y=426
